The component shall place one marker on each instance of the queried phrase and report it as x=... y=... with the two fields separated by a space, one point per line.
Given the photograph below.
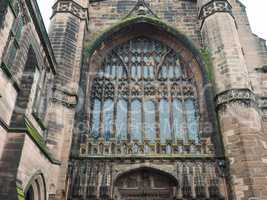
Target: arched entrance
x=29 y=194
x=36 y=189
x=145 y=184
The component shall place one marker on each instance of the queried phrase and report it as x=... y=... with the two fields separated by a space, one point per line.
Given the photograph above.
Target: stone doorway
x=145 y=184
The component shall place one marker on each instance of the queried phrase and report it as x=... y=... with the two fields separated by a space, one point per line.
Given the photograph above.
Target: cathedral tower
x=239 y=117
x=67 y=30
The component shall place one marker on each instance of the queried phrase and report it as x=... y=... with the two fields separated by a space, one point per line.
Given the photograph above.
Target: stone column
x=67 y=30
x=240 y=122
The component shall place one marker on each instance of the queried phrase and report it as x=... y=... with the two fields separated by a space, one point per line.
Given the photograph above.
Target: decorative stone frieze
x=235 y=95
x=71 y=7
x=213 y=7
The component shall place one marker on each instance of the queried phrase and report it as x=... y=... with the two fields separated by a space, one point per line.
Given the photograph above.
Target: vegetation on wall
x=38 y=139
x=206 y=57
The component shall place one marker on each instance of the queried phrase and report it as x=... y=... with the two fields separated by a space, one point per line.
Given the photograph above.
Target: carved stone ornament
x=141 y=9
x=64 y=97
x=235 y=95
x=71 y=7
x=213 y=7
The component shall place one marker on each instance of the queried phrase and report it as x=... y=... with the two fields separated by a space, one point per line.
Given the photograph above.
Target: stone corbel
x=64 y=97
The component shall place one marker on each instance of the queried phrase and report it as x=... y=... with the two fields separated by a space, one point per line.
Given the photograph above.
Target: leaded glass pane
x=149 y=120
x=165 y=130
x=96 y=118
x=192 y=124
x=177 y=110
x=121 y=120
x=108 y=118
x=136 y=123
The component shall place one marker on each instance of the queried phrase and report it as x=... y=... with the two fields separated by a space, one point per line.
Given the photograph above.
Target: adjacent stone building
x=132 y=100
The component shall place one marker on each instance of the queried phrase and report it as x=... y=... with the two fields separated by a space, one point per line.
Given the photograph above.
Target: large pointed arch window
x=143 y=93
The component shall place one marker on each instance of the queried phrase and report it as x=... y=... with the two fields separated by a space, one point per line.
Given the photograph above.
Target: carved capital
x=213 y=7
x=71 y=7
x=235 y=95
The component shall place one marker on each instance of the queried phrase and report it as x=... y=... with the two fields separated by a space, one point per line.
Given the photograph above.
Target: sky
x=256 y=10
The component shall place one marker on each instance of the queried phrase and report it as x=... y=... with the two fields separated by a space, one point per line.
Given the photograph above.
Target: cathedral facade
x=132 y=100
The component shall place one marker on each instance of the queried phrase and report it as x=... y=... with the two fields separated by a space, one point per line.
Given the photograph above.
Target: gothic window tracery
x=144 y=95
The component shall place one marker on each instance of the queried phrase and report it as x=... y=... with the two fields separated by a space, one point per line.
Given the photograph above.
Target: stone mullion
x=193 y=184
x=171 y=117
x=101 y=128
x=115 y=102
x=142 y=119
x=143 y=101
x=157 y=117
x=129 y=119
x=184 y=118
x=129 y=77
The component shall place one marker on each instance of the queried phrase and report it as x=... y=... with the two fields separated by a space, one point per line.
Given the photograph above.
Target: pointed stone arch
x=155 y=24
x=36 y=187
x=156 y=29
x=145 y=182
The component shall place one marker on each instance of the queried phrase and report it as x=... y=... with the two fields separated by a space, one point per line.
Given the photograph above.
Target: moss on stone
x=206 y=57
x=20 y=193
x=38 y=139
x=91 y=46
